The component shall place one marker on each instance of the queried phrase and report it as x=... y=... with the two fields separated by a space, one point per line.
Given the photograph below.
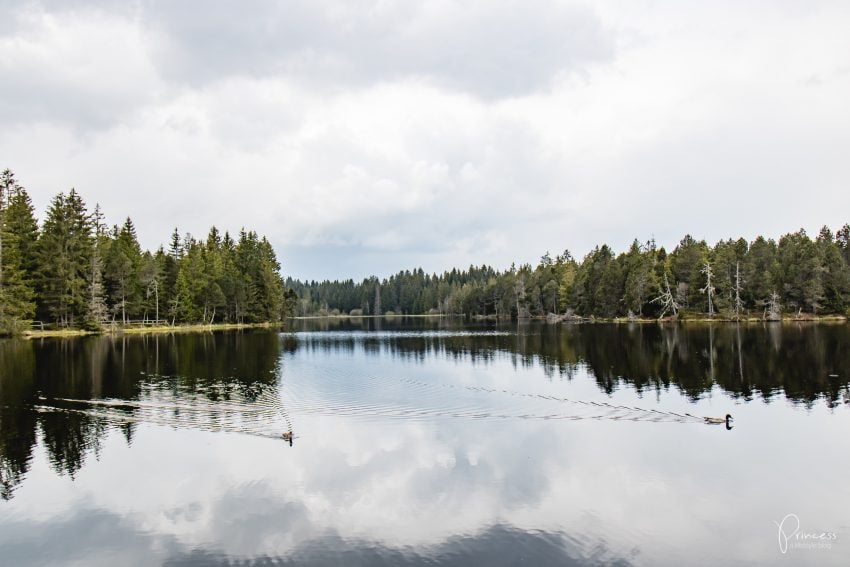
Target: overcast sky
x=368 y=136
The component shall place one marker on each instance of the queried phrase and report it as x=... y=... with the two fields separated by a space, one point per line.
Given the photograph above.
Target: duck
x=719 y=420
x=287 y=436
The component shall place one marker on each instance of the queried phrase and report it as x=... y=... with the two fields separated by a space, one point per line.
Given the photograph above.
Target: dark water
x=429 y=442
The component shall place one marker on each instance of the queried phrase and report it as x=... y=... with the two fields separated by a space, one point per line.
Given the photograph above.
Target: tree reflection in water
x=201 y=375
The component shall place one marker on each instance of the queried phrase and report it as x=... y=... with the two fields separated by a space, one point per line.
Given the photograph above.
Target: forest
x=734 y=279
x=73 y=271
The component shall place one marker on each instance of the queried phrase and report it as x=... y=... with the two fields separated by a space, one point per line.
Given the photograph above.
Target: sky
x=364 y=137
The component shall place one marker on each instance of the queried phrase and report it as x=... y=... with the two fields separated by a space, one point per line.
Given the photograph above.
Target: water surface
x=427 y=441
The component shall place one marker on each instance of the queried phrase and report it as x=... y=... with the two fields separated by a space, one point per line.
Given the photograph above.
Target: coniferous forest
x=735 y=279
x=74 y=271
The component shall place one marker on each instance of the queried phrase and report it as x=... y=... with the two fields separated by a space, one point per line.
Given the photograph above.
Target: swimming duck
x=287 y=436
x=719 y=420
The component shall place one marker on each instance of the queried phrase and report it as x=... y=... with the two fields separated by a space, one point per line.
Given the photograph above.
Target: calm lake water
x=426 y=441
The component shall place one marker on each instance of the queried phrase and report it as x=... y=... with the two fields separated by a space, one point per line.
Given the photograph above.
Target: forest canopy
x=74 y=271
x=732 y=279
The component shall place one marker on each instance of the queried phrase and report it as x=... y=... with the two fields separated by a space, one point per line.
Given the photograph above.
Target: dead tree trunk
x=2 y=299
x=739 y=305
x=774 y=309
x=667 y=300
x=708 y=289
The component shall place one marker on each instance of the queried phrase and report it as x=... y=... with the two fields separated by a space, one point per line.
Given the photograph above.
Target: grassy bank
x=390 y=316
x=162 y=329
x=56 y=333
x=705 y=319
x=169 y=329
x=197 y=328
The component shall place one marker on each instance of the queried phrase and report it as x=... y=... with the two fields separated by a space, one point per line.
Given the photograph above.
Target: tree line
x=732 y=279
x=74 y=271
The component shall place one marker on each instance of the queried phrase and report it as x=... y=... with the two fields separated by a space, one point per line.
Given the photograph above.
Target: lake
x=429 y=441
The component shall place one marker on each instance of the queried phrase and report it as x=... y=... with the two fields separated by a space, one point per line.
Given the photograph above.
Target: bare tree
x=377 y=310
x=153 y=288
x=708 y=289
x=149 y=278
x=8 y=181
x=97 y=304
x=737 y=303
x=519 y=296
x=773 y=310
x=2 y=227
x=667 y=300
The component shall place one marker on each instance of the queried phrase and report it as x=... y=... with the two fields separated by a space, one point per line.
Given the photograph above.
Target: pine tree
x=65 y=247
x=686 y=263
x=641 y=281
x=802 y=273
x=16 y=291
x=377 y=308
x=97 y=308
x=835 y=273
x=272 y=285
x=150 y=279
x=182 y=308
x=565 y=272
x=760 y=270
x=20 y=221
x=97 y=311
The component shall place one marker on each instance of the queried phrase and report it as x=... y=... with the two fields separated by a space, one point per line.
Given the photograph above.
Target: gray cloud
x=89 y=536
x=85 y=70
x=489 y=49
x=497 y=545
x=247 y=519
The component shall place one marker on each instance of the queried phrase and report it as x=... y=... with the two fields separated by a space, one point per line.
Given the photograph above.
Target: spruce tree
x=16 y=291
x=801 y=272
x=21 y=222
x=97 y=308
x=835 y=273
x=64 y=255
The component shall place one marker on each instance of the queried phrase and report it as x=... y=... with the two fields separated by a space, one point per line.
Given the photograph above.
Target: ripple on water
x=269 y=412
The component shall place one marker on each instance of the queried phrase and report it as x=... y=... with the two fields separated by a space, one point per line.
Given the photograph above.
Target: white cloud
x=387 y=135
x=79 y=70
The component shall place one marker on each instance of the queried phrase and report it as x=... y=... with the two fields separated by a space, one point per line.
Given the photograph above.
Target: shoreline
x=686 y=320
x=788 y=319
x=393 y=316
x=168 y=329
x=579 y=320
x=154 y=330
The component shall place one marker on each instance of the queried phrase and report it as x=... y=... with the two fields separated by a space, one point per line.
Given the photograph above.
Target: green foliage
x=18 y=233
x=65 y=250
x=808 y=276
x=835 y=274
x=76 y=273
x=801 y=272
